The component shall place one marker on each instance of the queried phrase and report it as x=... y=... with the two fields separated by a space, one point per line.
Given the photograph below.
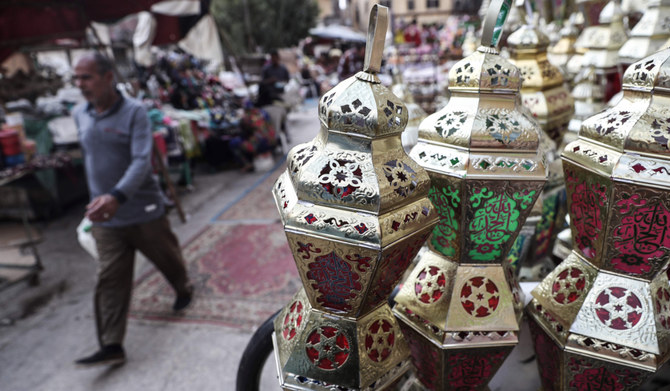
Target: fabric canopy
x=31 y=22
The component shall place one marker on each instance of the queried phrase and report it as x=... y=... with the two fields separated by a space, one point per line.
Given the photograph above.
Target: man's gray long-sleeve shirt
x=117 y=146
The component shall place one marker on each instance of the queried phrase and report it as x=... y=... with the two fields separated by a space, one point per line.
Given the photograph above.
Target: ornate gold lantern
x=414 y=111
x=542 y=90
x=602 y=318
x=600 y=77
x=649 y=34
x=355 y=211
x=460 y=307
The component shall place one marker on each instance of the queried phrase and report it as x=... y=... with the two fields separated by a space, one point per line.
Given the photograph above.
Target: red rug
x=242 y=273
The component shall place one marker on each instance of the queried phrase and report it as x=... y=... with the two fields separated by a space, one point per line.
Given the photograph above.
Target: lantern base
x=294 y=382
x=566 y=365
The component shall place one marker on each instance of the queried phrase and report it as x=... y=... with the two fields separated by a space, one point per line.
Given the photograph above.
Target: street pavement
x=44 y=328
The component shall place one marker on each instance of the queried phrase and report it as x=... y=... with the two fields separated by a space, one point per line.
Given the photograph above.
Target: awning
x=336 y=31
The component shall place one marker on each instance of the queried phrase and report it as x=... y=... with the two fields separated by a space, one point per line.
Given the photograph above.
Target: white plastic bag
x=85 y=237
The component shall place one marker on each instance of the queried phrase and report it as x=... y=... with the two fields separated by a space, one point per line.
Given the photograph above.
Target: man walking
x=126 y=207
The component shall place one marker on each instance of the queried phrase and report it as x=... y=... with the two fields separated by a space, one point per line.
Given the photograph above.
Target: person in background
x=274 y=77
x=126 y=206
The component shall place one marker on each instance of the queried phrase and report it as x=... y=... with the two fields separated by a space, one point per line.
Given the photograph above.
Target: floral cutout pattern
x=503 y=128
x=568 y=285
x=341 y=177
x=401 y=177
x=293 y=320
x=499 y=76
x=618 y=308
x=430 y=284
x=450 y=123
x=300 y=158
x=379 y=340
x=327 y=348
x=480 y=297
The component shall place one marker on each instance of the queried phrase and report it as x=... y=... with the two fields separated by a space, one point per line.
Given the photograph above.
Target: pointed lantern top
x=361 y=105
x=485 y=70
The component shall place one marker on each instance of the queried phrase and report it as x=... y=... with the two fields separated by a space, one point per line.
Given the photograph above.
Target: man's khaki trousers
x=116 y=248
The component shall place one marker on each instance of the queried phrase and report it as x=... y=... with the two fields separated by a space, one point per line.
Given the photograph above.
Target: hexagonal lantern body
x=605 y=310
x=545 y=95
x=460 y=307
x=355 y=210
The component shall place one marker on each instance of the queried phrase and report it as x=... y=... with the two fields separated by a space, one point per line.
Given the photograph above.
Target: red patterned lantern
x=355 y=210
x=600 y=319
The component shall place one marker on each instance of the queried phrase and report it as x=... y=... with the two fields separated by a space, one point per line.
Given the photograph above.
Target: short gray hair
x=103 y=63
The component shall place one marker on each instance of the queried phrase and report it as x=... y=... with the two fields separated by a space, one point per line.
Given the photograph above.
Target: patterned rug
x=241 y=266
x=256 y=204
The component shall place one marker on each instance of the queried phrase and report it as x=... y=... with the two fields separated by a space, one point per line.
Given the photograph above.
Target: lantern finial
x=374 y=48
x=494 y=22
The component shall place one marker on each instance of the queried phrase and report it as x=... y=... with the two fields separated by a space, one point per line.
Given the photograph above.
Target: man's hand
x=102 y=208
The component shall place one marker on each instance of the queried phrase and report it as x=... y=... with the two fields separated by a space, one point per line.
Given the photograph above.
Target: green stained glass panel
x=446 y=201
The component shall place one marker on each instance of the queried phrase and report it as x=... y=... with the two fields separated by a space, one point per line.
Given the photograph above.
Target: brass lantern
x=649 y=34
x=460 y=307
x=602 y=317
x=355 y=209
x=542 y=90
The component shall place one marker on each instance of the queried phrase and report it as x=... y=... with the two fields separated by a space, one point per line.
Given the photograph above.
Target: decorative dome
x=528 y=38
x=358 y=106
x=626 y=127
x=484 y=71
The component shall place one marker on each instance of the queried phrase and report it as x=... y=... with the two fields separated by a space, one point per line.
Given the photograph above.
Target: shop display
x=355 y=209
x=649 y=34
x=600 y=77
x=460 y=308
x=414 y=112
x=561 y=54
x=542 y=91
x=549 y=101
x=600 y=319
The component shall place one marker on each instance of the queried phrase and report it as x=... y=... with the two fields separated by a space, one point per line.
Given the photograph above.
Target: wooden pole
x=168 y=182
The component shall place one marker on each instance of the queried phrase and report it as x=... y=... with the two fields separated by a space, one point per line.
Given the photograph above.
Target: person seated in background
x=257 y=136
x=351 y=61
x=274 y=77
